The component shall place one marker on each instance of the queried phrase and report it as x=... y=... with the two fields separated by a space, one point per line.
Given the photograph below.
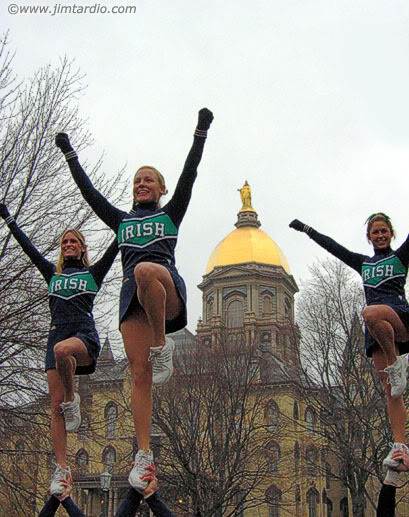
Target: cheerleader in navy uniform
x=73 y=343
x=386 y=315
x=153 y=294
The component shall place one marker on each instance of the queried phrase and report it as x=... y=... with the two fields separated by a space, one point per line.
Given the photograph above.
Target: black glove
x=63 y=142
x=4 y=213
x=299 y=226
x=205 y=119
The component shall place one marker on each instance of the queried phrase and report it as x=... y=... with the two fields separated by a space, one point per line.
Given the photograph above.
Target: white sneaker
x=72 y=414
x=161 y=359
x=388 y=461
x=56 y=487
x=142 y=459
x=397 y=375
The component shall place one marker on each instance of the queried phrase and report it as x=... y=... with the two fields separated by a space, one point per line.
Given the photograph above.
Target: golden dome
x=247 y=244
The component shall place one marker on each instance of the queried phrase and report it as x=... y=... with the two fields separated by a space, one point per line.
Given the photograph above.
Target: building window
x=296 y=456
x=295 y=410
x=272 y=417
x=267 y=305
x=109 y=458
x=309 y=420
x=273 y=499
x=297 y=499
x=254 y=371
x=235 y=314
x=329 y=507
x=20 y=447
x=288 y=309
x=274 y=457
x=81 y=460
x=343 y=506
x=312 y=501
x=84 y=428
x=311 y=459
x=111 y=415
x=209 y=314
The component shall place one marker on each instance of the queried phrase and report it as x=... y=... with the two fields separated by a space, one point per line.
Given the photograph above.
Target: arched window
x=343 y=506
x=295 y=410
x=273 y=499
x=235 y=314
x=111 y=415
x=109 y=458
x=309 y=420
x=81 y=460
x=313 y=498
x=274 y=454
x=272 y=417
x=311 y=459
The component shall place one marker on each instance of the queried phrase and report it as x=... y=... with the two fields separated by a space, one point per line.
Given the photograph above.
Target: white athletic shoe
x=56 y=487
x=142 y=459
x=397 y=375
x=161 y=359
x=72 y=414
x=388 y=461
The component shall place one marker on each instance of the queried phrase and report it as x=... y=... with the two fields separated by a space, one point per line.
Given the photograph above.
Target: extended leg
x=137 y=337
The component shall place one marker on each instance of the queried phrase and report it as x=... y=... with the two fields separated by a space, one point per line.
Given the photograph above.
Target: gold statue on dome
x=245 y=194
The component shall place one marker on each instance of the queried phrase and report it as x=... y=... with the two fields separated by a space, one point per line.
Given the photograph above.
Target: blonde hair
x=84 y=254
x=160 y=177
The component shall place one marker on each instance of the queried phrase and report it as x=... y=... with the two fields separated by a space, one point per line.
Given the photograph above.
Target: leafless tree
x=214 y=447
x=343 y=389
x=36 y=185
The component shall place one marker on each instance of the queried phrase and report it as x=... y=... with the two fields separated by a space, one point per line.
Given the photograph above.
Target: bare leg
x=137 y=338
x=158 y=297
x=58 y=433
x=385 y=327
x=67 y=354
x=396 y=408
x=142 y=330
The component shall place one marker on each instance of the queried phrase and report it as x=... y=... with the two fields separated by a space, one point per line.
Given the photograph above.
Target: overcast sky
x=309 y=98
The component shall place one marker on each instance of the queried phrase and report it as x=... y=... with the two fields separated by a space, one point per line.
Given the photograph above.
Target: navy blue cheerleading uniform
x=147 y=233
x=71 y=298
x=383 y=276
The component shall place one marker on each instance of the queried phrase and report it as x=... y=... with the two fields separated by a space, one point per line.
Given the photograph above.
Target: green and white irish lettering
x=69 y=285
x=139 y=232
x=375 y=274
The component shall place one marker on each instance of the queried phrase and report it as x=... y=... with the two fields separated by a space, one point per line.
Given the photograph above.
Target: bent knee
x=369 y=313
x=375 y=313
x=60 y=351
x=145 y=272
